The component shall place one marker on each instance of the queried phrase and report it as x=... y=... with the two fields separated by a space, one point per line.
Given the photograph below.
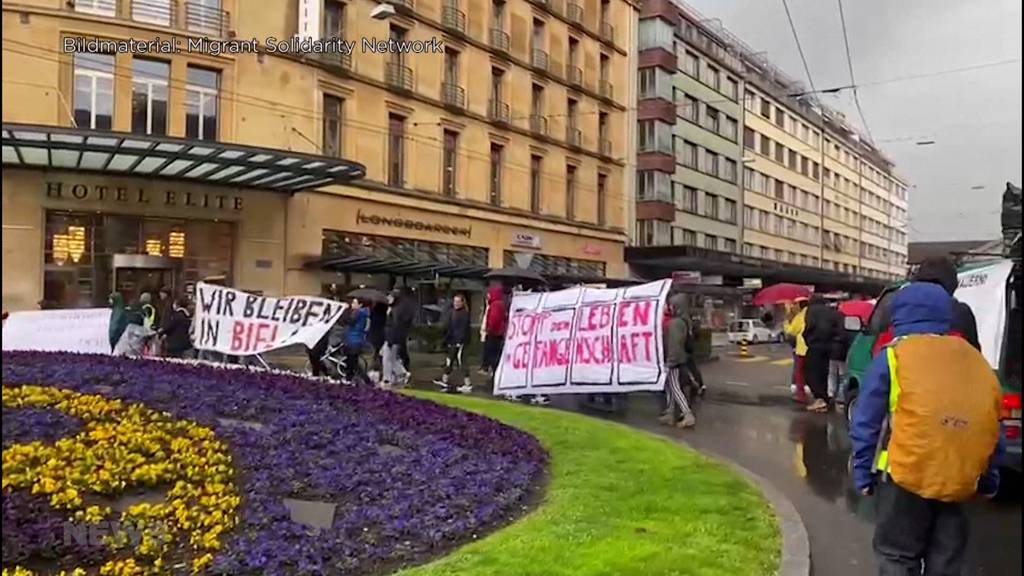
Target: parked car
x=754 y=331
x=1005 y=357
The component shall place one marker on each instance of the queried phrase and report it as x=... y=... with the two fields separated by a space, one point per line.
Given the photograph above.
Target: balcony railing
x=539 y=124
x=206 y=19
x=574 y=12
x=605 y=147
x=159 y=12
x=607 y=32
x=453 y=19
x=575 y=75
x=498 y=111
x=539 y=59
x=399 y=76
x=500 y=40
x=573 y=136
x=604 y=87
x=453 y=95
x=337 y=60
x=403 y=5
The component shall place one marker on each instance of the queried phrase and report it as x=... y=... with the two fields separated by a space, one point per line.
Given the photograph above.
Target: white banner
x=235 y=322
x=83 y=330
x=584 y=340
x=984 y=290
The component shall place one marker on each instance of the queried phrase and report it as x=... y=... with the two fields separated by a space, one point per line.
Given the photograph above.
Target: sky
x=974 y=117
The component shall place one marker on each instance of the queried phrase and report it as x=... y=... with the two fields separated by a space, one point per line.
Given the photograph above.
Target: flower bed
x=223 y=449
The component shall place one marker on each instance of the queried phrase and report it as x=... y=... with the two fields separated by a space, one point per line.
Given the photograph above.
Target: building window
x=334 y=19
x=815 y=170
x=766 y=146
x=602 y=199
x=689 y=238
x=496 y=155
x=653 y=185
x=731 y=88
x=711 y=242
x=729 y=170
x=710 y=163
x=97 y=7
x=570 y=192
x=535 y=183
x=656 y=33
x=397 y=33
x=729 y=245
x=602 y=127
x=780 y=153
x=729 y=128
x=711 y=119
x=689 y=108
x=689 y=155
x=711 y=205
x=94 y=91
x=766 y=108
x=451 y=66
x=730 y=211
x=654 y=136
x=794 y=160
x=780 y=190
x=780 y=117
x=333 y=107
x=451 y=153
x=691 y=64
x=689 y=199
x=748 y=139
x=498 y=14
x=149 y=96
x=711 y=77
x=537 y=101
x=201 y=93
x=396 y=150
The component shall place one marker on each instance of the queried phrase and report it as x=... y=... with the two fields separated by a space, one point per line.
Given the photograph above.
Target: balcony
x=574 y=12
x=158 y=12
x=500 y=40
x=453 y=19
x=498 y=111
x=453 y=95
x=206 y=19
x=337 y=61
x=574 y=75
x=539 y=59
x=398 y=76
x=607 y=32
x=605 y=147
x=403 y=6
x=539 y=124
x=543 y=3
x=573 y=136
x=605 y=89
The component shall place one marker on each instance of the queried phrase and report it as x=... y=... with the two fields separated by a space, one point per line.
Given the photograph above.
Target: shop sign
x=712 y=280
x=142 y=196
x=786 y=210
x=410 y=224
x=591 y=250
x=525 y=240
x=752 y=283
x=686 y=277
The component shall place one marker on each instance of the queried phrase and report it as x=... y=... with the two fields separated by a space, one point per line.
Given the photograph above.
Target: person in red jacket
x=495 y=323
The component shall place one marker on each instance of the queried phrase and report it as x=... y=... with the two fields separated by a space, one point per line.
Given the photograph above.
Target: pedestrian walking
x=794 y=329
x=176 y=330
x=925 y=435
x=494 y=325
x=456 y=337
x=355 y=339
x=819 y=334
x=397 y=324
x=678 y=412
x=837 y=362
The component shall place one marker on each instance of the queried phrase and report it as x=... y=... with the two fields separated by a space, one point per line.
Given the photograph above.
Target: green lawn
x=619 y=503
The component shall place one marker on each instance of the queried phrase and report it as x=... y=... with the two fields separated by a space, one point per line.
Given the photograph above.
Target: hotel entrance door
x=138 y=273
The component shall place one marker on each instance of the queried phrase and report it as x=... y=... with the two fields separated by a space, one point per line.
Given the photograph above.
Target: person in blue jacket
x=910 y=530
x=355 y=336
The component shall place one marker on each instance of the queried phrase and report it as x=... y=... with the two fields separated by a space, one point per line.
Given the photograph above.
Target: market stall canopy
x=782 y=292
x=190 y=160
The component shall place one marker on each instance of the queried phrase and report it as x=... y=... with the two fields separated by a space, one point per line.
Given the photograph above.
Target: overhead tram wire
x=799 y=47
x=853 y=79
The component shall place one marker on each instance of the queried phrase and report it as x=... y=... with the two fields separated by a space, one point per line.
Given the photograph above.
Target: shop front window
x=79 y=256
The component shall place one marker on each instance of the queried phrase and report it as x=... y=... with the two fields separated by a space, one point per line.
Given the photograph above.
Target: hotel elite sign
x=141 y=196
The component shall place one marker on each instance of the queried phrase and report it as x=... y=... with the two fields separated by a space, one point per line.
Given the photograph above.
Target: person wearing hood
x=925 y=435
x=176 y=330
x=397 y=325
x=494 y=325
x=357 y=321
x=147 y=310
x=120 y=317
x=820 y=328
x=794 y=325
x=677 y=331
x=457 y=333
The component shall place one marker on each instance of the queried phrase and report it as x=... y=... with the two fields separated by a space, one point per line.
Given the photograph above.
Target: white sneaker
x=540 y=400
x=440 y=382
x=385 y=385
x=405 y=380
x=466 y=389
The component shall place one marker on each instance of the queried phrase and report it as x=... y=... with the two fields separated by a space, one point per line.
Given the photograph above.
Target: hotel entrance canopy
x=190 y=160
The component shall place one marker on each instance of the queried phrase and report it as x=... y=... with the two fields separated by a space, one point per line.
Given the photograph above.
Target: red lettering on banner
x=521 y=356
x=594 y=349
x=635 y=313
x=237 y=331
x=551 y=353
x=597 y=317
x=636 y=347
x=252 y=336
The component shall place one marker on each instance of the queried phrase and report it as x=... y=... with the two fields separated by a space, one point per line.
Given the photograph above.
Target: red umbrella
x=783 y=292
x=859 y=308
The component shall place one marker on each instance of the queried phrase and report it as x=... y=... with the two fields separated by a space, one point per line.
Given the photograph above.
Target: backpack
x=943 y=415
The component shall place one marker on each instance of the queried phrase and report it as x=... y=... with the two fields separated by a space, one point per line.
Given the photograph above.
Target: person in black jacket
x=176 y=329
x=819 y=334
x=942 y=272
x=397 y=325
x=456 y=338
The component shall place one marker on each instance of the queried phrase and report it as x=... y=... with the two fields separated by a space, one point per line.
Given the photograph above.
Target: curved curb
x=796 y=548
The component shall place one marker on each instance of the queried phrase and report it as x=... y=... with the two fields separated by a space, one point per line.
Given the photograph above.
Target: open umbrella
x=368 y=294
x=778 y=293
x=860 y=308
x=513 y=273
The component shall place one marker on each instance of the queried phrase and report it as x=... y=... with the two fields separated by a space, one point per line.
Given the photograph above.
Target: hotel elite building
x=502 y=138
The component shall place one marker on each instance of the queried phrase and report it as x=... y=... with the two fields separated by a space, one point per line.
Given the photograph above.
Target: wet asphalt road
x=748 y=417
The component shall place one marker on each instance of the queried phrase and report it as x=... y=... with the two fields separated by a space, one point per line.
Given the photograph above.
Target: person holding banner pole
x=458 y=331
x=679 y=413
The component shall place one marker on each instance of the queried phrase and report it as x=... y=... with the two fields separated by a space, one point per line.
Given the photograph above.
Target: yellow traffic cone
x=744 y=349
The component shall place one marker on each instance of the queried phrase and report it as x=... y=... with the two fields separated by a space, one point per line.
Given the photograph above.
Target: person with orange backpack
x=925 y=434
